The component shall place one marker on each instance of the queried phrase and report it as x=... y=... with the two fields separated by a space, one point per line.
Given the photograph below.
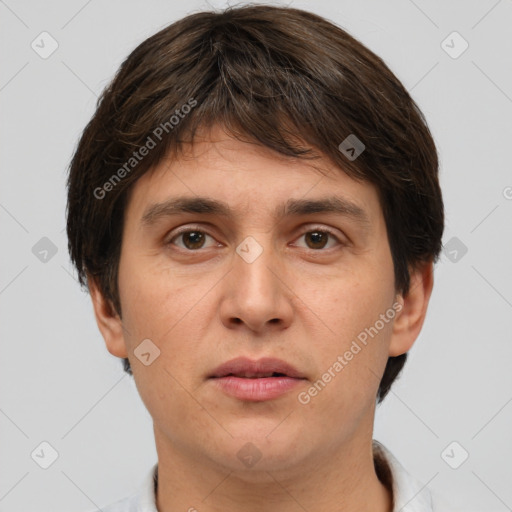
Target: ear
x=408 y=322
x=109 y=322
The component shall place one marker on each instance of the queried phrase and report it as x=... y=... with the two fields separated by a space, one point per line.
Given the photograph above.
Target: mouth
x=249 y=375
x=261 y=380
x=265 y=367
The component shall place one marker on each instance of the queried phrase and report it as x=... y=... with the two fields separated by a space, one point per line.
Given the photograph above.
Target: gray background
x=59 y=384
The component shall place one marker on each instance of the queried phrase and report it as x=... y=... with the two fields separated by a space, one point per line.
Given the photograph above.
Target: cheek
x=175 y=314
x=352 y=341
x=168 y=314
x=155 y=302
x=343 y=308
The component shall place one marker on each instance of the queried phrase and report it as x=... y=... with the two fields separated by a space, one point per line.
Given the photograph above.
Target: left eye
x=318 y=238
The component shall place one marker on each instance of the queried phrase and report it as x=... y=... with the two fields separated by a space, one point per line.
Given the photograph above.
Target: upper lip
x=245 y=367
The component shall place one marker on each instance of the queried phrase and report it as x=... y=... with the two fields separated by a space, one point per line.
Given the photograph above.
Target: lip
x=265 y=365
x=229 y=377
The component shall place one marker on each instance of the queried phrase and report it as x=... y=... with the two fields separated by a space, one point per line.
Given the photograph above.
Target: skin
x=301 y=300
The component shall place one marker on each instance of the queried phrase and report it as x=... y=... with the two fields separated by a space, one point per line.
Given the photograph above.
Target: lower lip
x=264 y=388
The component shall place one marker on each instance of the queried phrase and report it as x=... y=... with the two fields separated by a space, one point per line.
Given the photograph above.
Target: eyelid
x=318 y=227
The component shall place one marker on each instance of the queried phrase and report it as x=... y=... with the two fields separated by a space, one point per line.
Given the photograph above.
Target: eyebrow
x=292 y=207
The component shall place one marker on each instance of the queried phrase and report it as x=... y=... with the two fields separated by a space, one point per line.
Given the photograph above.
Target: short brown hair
x=280 y=77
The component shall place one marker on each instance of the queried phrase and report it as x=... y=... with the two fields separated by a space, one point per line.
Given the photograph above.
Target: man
x=255 y=210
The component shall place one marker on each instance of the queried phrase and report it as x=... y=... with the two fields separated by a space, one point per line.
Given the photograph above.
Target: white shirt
x=409 y=494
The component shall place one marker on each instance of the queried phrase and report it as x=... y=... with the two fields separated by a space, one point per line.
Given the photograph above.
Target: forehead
x=221 y=175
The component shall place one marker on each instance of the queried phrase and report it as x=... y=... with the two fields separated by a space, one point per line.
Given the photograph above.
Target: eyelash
x=198 y=230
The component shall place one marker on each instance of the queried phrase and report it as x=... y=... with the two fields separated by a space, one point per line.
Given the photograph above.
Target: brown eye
x=317 y=239
x=191 y=240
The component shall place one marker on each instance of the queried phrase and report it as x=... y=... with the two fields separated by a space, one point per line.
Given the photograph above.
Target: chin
x=249 y=463
x=259 y=446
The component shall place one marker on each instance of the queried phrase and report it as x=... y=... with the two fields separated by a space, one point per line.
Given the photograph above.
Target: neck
x=343 y=479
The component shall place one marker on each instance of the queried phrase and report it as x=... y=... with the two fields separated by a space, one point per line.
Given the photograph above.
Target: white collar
x=409 y=494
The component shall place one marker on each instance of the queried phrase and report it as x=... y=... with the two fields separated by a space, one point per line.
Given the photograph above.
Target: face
x=266 y=276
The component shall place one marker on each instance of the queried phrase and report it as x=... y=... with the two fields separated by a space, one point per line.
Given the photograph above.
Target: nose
x=257 y=291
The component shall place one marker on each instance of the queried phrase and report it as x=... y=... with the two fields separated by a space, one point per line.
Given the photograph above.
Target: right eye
x=192 y=239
